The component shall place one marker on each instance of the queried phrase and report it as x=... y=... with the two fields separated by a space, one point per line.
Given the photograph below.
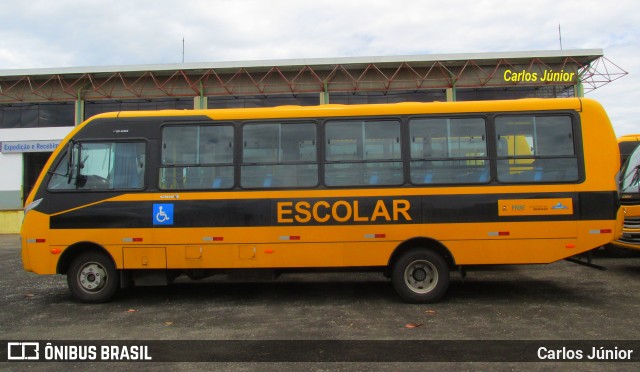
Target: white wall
x=11 y=164
x=10 y=172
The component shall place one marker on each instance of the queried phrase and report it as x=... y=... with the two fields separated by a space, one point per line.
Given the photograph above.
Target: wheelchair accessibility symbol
x=163 y=214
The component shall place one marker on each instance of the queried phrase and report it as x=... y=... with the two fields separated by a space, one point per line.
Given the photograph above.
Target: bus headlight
x=32 y=205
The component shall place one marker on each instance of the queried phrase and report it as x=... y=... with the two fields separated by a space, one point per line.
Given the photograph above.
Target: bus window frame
x=400 y=119
x=576 y=127
x=158 y=165
x=64 y=157
x=240 y=163
x=488 y=158
x=624 y=172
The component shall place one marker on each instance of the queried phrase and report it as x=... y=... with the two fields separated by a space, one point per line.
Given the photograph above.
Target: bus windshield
x=630 y=177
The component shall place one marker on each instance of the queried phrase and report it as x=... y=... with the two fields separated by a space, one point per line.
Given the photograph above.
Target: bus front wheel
x=420 y=276
x=92 y=277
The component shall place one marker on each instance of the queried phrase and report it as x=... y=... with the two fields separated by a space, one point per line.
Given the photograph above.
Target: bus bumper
x=37 y=255
x=630 y=234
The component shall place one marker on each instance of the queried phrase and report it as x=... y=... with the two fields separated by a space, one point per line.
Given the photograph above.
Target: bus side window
x=129 y=165
x=448 y=151
x=363 y=152
x=60 y=179
x=197 y=157
x=279 y=155
x=104 y=166
x=539 y=149
x=503 y=146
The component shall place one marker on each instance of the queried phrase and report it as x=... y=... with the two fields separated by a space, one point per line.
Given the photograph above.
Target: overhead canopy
x=588 y=67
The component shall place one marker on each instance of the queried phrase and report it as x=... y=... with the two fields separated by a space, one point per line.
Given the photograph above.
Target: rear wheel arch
x=424 y=243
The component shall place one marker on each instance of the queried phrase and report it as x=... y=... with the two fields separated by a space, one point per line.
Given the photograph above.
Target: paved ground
x=561 y=301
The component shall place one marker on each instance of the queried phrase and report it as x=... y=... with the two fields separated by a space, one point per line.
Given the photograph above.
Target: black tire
x=420 y=276
x=92 y=277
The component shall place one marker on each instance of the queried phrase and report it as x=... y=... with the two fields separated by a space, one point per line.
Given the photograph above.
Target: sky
x=71 y=33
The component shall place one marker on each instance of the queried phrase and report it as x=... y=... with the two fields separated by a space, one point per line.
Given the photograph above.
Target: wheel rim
x=421 y=276
x=92 y=277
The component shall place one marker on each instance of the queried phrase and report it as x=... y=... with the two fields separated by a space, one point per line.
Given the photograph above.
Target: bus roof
x=629 y=138
x=335 y=110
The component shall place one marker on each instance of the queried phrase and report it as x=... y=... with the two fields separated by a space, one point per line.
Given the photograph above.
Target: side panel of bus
x=514 y=201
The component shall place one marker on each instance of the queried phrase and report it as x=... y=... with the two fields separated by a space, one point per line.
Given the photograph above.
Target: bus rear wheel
x=420 y=276
x=93 y=278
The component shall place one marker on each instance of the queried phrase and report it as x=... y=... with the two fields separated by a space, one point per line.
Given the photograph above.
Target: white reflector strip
x=291 y=237
x=499 y=233
x=213 y=238
x=375 y=236
x=131 y=240
x=601 y=231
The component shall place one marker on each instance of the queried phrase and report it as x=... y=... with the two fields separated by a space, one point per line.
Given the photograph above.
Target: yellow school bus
x=627 y=145
x=413 y=190
x=630 y=200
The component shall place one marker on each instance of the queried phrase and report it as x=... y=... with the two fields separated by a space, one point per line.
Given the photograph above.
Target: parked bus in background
x=630 y=200
x=413 y=190
x=627 y=144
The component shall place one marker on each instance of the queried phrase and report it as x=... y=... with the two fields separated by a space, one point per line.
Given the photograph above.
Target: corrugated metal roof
x=583 y=56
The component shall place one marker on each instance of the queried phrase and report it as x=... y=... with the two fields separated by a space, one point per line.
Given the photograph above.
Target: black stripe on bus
x=328 y=211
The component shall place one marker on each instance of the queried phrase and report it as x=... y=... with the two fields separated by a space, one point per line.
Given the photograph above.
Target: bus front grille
x=631 y=223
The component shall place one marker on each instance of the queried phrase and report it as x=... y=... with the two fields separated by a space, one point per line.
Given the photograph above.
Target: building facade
x=39 y=107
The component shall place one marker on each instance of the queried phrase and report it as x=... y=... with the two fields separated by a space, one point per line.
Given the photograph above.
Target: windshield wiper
x=635 y=178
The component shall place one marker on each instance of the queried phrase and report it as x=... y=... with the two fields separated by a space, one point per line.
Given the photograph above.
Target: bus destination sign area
x=11 y=147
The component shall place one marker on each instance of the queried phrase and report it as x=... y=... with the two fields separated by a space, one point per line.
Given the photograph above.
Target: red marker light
x=601 y=231
x=499 y=233
x=290 y=237
x=375 y=236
